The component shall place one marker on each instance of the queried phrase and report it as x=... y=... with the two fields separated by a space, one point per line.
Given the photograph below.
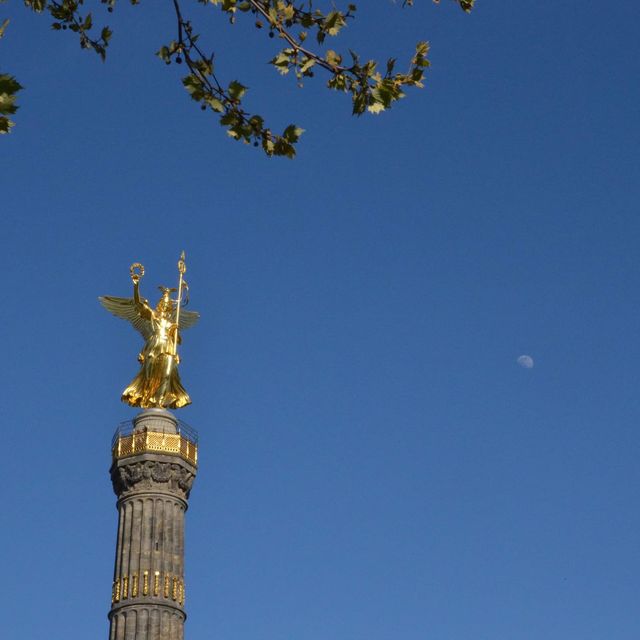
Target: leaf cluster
x=67 y=14
x=302 y=29
x=9 y=87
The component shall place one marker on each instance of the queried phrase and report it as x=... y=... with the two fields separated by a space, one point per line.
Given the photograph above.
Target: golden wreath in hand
x=137 y=271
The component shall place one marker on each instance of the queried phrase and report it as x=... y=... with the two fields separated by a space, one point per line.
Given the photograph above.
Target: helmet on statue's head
x=165 y=304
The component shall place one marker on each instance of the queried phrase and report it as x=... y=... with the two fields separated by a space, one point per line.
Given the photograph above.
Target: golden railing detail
x=141 y=441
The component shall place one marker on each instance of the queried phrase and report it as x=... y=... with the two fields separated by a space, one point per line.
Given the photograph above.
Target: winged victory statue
x=158 y=382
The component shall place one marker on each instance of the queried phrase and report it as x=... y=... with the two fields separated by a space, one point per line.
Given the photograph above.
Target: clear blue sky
x=374 y=463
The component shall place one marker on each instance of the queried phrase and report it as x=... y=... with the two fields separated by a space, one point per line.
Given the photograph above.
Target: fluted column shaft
x=153 y=489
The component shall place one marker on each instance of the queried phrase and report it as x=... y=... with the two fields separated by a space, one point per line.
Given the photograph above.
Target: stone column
x=154 y=465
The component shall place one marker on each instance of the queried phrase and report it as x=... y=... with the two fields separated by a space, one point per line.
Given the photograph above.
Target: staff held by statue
x=182 y=268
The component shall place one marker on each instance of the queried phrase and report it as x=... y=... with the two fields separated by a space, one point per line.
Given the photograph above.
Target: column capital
x=152 y=473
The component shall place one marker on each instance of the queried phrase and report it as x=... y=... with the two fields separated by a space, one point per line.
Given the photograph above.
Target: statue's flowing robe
x=158 y=382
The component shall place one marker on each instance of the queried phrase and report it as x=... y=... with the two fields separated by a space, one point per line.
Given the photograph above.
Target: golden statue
x=158 y=383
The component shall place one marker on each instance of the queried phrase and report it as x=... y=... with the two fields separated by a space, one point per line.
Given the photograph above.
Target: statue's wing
x=127 y=309
x=188 y=319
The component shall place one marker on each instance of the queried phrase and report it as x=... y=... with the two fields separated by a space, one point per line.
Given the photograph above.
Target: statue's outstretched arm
x=141 y=304
x=135 y=310
x=136 y=289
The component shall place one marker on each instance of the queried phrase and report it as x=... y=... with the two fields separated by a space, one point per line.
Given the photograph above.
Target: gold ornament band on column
x=174 y=590
x=173 y=587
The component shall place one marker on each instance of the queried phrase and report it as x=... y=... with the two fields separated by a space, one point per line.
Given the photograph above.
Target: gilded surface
x=173 y=587
x=141 y=441
x=158 y=382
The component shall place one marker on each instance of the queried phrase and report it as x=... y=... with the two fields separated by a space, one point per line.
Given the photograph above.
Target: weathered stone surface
x=148 y=586
x=152 y=472
x=149 y=622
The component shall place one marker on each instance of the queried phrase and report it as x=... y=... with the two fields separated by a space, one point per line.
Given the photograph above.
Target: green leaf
x=193 y=85
x=292 y=133
x=36 y=5
x=215 y=104
x=282 y=61
x=333 y=58
x=306 y=65
x=376 y=108
x=333 y=23
x=5 y=125
x=236 y=90
x=9 y=86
